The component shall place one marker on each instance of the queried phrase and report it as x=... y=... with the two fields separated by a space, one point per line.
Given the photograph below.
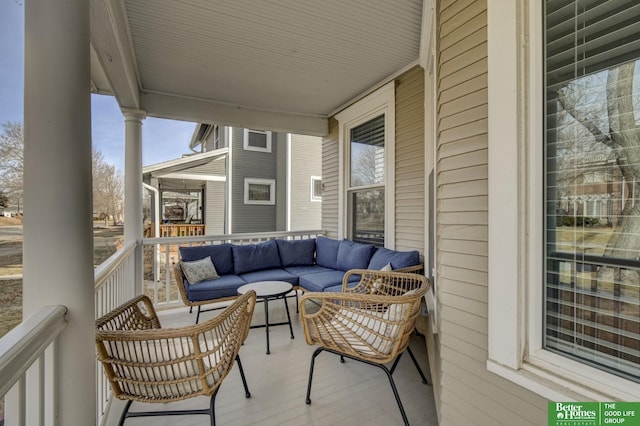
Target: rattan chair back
x=372 y=321
x=146 y=363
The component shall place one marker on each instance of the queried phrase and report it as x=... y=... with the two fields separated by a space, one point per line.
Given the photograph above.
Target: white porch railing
x=27 y=355
x=114 y=280
x=114 y=285
x=160 y=254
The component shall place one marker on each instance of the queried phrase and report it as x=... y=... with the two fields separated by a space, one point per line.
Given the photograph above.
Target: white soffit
x=304 y=57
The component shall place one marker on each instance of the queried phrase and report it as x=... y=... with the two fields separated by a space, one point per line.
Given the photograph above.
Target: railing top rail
x=26 y=342
x=231 y=237
x=106 y=268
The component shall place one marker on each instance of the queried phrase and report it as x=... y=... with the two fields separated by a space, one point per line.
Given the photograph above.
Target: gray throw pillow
x=199 y=270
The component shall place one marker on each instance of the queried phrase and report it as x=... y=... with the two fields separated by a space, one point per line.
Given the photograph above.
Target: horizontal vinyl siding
x=306 y=161
x=215 y=207
x=409 y=161
x=252 y=164
x=469 y=393
x=330 y=161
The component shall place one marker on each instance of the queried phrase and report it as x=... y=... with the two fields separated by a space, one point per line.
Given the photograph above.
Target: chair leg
x=198 y=315
x=212 y=408
x=341 y=359
x=382 y=367
x=313 y=360
x=247 y=394
x=297 y=305
x=124 y=413
x=415 y=362
x=395 y=393
x=191 y=309
x=395 y=363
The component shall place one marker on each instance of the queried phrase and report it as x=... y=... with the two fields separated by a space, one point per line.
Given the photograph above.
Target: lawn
x=106 y=242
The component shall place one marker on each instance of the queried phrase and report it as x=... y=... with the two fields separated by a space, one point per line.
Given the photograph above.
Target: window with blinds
x=592 y=199
x=366 y=182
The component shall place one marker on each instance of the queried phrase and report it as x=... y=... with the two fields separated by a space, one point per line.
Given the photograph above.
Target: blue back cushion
x=296 y=252
x=255 y=257
x=221 y=256
x=354 y=255
x=327 y=252
x=397 y=259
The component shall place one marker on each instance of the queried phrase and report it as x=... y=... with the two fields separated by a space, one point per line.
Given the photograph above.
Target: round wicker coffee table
x=270 y=290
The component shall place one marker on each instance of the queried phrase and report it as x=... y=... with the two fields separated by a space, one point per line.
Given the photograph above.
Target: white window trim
x=515 y=218
x=248 y=147
x=272 y=190
x=312 y=197
x=382 y=101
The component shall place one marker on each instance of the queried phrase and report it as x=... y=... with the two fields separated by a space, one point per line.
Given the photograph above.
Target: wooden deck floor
x=352 y=393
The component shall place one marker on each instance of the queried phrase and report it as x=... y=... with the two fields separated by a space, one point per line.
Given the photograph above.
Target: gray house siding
x=409 y=161
x=214 y=201
x=330 y=159
x=280 y=151
x=306 y=161
x=252 y=164
x=469 y=394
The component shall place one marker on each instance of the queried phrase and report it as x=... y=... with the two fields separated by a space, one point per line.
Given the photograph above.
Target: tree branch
x=584 y=121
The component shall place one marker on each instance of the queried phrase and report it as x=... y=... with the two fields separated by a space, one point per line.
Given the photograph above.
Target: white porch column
x=58 y=239
x=133 y=187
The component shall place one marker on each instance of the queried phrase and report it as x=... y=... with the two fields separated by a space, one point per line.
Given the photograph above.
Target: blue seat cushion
x=338 y=288
x=221 y=256
x=304 y=270
x=226 y=285
x=397 y=259
x=327 y=252
x=270 y=275
x=297 y=252
x=322 y=280
x=352 y=255
x=255 y=257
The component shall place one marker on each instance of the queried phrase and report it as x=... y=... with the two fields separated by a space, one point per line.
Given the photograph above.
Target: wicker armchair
x=146 y=363
x=371 y=322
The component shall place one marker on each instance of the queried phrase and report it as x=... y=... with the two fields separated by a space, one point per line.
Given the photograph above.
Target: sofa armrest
x=180 y=282
x=388 y=282
x=418 y=269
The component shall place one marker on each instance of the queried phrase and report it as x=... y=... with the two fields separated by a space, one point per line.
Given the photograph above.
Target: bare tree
x=108 y=186
x=610 y=124
x=12 y=160
x=367 y=165
x=108 y=182
x=4 y=200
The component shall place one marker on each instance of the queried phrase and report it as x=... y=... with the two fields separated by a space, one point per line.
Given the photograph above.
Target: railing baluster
x=22 y=407
x=25 y=370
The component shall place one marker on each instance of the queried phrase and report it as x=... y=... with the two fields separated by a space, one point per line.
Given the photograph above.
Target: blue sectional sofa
x=310 y=265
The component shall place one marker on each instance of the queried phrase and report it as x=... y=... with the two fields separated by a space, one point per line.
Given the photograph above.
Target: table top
x=267 y=288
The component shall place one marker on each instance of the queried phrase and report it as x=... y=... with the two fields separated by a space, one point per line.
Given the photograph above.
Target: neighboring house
x=593 y=188
x=241 y=180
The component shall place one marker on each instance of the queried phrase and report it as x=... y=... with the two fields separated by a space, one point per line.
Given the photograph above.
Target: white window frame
x=248 y=147
x=515 y=218
x=272 y=191
x=381 y=101
x=315 y=198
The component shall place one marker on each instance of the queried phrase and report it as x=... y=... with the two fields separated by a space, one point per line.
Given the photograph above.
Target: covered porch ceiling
x=283 y=65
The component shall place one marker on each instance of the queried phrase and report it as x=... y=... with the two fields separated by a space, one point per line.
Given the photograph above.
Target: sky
x=162 y=140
